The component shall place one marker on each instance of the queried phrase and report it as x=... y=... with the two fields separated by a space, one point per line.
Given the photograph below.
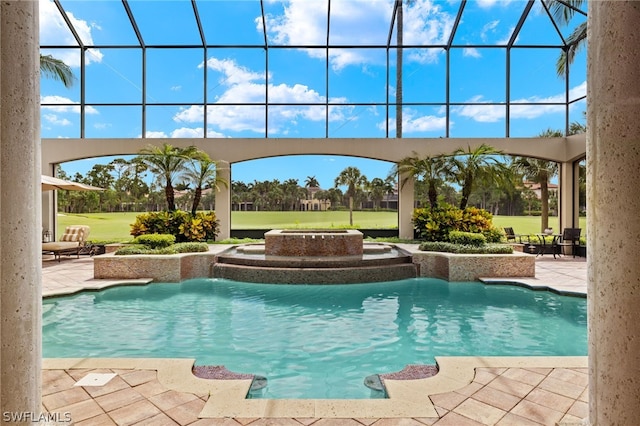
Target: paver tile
x=138 y=377
x=118 y=399
x=524 y=376
x=579 y=409
x=511 y=419
x=571 y=376
x=510 y=386
x=537 y=413
x=100 y=420
x=64 y=398
x=562 y=388
x=169 y=399
x=550 y=399
x=496 y=398
x=149 y=389
x=82 y=410
x=112 y=385
x=160 y=419
x=186 y=413
x=134 y=413
x=455 y=419
x=480 y=412
x=449 y=400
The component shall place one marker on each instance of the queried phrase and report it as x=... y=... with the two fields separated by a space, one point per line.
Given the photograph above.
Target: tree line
x=479 y=176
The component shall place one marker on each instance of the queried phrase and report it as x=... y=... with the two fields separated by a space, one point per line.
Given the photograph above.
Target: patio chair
x=512 y=237
x=71 y=242
x=570 y=238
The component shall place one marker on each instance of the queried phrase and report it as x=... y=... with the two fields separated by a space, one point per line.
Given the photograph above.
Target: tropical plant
x=167 y=162
x=56 y=69
x=539 y=171
x=468 y=167
x=354 y=180
x=564 y=11
x=433 y=170
x=201 y=171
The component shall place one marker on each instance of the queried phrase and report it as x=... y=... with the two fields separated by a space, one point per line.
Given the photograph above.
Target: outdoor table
x=544 y=244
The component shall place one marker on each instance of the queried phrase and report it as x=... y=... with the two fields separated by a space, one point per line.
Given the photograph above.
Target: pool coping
x=407 y=398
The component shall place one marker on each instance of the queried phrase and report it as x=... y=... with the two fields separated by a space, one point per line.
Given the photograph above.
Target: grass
x=114 y=227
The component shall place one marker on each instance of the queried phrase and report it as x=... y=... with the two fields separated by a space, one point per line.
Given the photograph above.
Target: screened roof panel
x=329 y=66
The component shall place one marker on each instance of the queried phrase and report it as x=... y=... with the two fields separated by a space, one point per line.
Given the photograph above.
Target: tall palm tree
x=167 y=162
x=201 y=170
x=578 y=37
x=353 y=180
x=468 y=166
x=400 y=47
x=433 y=170
x=56 y=69
x=311 y=182
x=539 y=171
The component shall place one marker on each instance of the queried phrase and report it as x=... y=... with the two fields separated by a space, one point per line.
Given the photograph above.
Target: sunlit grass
x=114 y=227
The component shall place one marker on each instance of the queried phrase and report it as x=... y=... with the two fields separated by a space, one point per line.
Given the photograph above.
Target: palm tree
x=311 y=182
x=201 y=170
x=578 y=37
x=56 y=69
x=539 y=171
x=433 y=170
x=167 y=162
x=471 y=165
x=353 y=180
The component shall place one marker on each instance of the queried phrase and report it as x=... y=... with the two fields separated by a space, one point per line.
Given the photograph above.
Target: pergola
x=428 y=77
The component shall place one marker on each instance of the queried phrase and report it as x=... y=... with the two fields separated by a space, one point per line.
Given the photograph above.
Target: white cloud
x=358 y=22
x=471 y=52
x=487 y=4
x=53 y=30
x=156 y=135
x=412 y=122
x=64 y=107
x=488 y=29
x=493 y=113
x=102 y=126
x=242 y=85
x=55 y=120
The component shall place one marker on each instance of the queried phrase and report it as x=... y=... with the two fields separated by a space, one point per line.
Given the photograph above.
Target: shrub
x=435 y=224
x=185 y=227
x=191 y=247
x=155 y=241
x=494 y=235
x=467 y=238
x=446 y=247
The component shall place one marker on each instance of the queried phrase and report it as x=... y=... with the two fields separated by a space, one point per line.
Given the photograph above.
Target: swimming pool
x=314 y=341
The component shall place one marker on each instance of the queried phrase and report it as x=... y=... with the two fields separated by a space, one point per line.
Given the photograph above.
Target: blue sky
x=296 y=77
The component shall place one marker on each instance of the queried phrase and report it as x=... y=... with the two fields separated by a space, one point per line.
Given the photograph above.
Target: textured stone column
x=223 y=201
x=20 y=211
x=568 y=196
x=613 y=199
x=405 y=207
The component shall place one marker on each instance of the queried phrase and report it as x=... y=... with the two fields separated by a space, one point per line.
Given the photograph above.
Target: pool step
x=314 y=275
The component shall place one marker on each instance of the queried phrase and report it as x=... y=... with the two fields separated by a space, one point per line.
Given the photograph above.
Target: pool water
x=314 y=341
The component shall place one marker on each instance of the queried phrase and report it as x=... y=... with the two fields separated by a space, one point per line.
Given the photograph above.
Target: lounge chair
x=71 y=242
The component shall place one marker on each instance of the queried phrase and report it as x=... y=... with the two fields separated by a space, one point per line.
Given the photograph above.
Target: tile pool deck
x=466 y=391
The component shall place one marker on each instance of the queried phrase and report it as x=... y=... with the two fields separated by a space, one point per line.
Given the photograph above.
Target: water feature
x=314 y=341
x=314 y=257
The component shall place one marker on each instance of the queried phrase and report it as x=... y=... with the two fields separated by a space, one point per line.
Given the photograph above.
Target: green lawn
x=116 y=226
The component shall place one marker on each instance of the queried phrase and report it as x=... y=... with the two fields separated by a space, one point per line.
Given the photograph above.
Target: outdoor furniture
x=547 y=246
x=570 y=238
x=512 y=236
x=71 y=242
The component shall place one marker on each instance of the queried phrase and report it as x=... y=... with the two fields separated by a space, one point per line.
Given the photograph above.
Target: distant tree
x=354 y=180
x=201 y=171
x=541 y=172
x=433 y=170
x=471 y=165
x=167 y=162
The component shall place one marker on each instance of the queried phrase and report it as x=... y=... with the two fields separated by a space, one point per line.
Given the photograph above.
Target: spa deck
x=473 y=391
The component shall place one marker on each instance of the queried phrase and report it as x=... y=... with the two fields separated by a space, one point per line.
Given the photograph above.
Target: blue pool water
x=314 y=341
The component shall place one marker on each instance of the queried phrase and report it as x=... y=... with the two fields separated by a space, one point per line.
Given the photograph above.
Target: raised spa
x=294 y=242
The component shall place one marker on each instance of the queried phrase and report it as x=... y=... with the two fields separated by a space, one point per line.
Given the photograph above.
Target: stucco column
x=405 y=206
x=223 y=201
x=20 y=210
x=613 y=202
x=568 y=196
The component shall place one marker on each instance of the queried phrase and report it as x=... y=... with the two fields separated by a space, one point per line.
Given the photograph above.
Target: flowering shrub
x=185 y=227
